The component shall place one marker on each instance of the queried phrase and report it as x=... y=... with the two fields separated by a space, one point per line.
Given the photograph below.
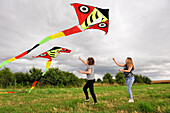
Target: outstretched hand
x=79 y=58
x=79 y=71
x=120 y=69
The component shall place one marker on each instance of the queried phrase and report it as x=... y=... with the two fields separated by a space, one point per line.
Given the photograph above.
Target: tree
x=6 y=78
x=112 y=81
x=138 y=79
x=21 y=78
x=56 y=77
x=99 y=80
x=142 y=79
x=34 y=74
x=108 y=78
x=146 y=80
x=120 y=79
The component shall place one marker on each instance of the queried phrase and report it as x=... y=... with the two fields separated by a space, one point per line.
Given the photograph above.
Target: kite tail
x=48 y=64
x=3 y=92
x=66 y=32
x=33 y=86
x=47 y=67
x=19 y=56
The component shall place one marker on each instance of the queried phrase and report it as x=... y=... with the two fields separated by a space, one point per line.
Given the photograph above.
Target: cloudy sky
x=138 y=28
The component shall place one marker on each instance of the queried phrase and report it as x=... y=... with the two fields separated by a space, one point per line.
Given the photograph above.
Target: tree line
x=58 y=78
x=120 y=79
x=53 y=77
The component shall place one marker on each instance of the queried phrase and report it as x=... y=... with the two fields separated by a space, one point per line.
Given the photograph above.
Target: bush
x=21 y=79
x=6 y=78
x=138 y=79
x=60 y=78
x=120 y=79
x=53 y=77
x=112 y=81
x=142 y=79
x=99 y=80
x=108 y=78
x=34 y=74
x=146 y=80
x=56 y=77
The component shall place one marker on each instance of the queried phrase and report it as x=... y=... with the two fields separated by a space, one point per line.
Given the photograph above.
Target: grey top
x=91 y=75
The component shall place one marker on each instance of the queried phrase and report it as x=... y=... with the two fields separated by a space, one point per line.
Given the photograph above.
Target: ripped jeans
x=129 y=82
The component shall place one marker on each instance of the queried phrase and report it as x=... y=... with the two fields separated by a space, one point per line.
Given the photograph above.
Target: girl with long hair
x=128 y=68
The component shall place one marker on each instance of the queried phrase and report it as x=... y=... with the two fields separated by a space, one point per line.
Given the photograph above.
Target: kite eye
x=84 y=9
x=42 y=55
x=102 y=25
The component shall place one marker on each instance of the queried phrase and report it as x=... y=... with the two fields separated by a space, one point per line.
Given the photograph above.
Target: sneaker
x=131 y=101
x=87 y=101
x=94 y=103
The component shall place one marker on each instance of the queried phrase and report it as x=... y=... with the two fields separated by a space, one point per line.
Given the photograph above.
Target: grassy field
x=111 y=99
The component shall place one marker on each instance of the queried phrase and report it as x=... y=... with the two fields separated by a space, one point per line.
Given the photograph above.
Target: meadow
x=153 y=98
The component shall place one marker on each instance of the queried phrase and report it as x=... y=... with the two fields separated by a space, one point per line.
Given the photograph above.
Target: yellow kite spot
x=57 y=35
x=12 y=59
x=48 y=64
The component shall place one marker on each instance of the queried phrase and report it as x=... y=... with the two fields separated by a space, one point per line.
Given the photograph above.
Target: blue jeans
x=129 y=82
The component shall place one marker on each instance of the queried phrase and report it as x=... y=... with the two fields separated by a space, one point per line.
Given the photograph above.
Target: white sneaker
x=94 y=103
x=131 y=100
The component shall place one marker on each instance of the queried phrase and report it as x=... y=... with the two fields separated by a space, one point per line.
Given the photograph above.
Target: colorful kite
x=89 y=18
x=50 y=54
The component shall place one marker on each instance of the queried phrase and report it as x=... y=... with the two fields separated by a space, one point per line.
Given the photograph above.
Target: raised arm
x=85 y=72
x=122 y=65
x=83 y=61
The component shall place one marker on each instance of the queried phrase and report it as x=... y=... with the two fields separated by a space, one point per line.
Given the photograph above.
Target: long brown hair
x=91 y=61
x=130 y=62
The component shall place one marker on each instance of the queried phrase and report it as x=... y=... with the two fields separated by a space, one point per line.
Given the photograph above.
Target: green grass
x=148 y=98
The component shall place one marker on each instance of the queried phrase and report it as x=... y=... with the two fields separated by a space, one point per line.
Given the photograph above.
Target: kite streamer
x=89 y=18
x=50 y=54
x=12 y=92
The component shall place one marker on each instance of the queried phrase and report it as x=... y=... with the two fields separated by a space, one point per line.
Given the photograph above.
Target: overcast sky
x=137 y=28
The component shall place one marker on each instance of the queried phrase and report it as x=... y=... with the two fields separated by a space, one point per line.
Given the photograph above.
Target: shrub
x=108 y=78
x=6 y=78
x=99 y=80
x=120 y=79
x=60 y=78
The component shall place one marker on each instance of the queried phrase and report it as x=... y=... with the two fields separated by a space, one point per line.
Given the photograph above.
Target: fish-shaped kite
x=50 y=54
x=89 y=17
